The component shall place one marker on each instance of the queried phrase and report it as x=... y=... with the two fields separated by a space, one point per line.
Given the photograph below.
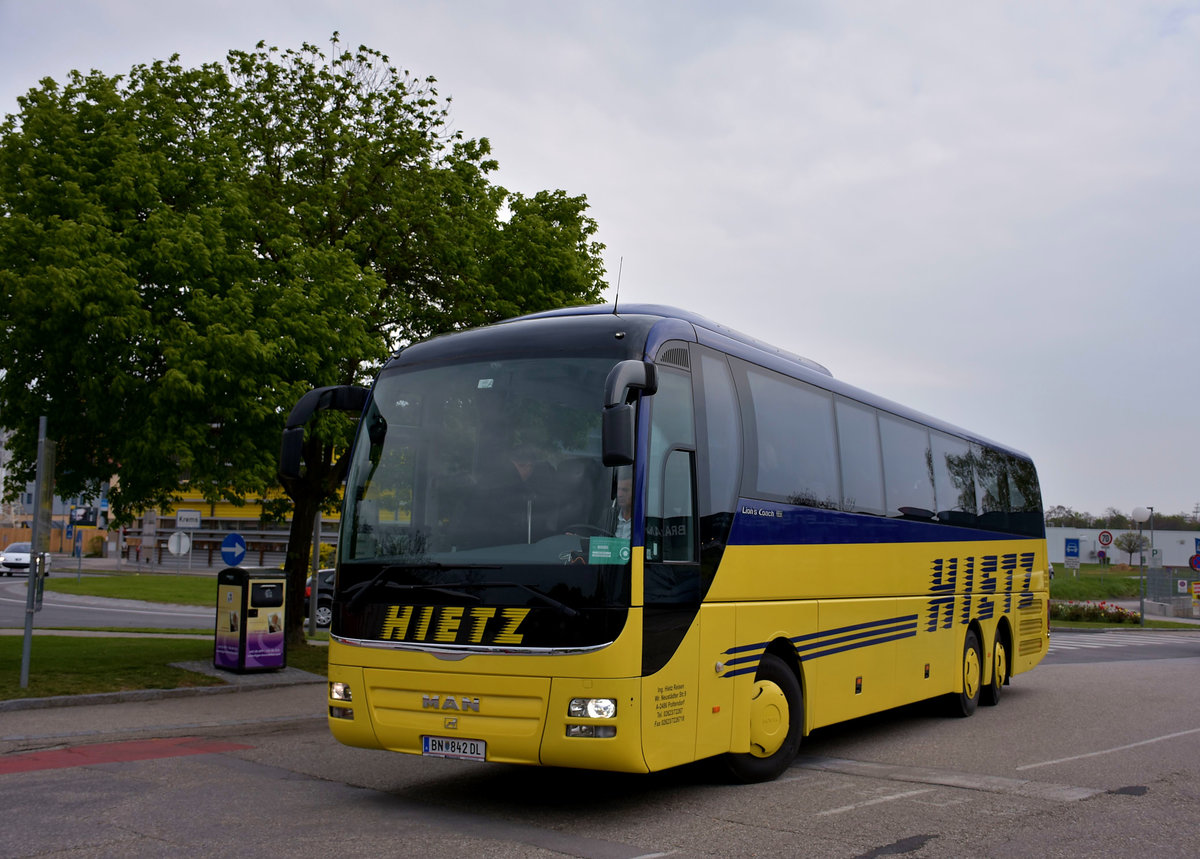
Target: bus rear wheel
x=776 y=723
x=967 y=700
x=990 y=694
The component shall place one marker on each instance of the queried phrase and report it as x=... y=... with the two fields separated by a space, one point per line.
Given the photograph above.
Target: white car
x=16 y=557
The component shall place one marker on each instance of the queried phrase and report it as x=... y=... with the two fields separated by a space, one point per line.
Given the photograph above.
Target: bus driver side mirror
x=620 y=390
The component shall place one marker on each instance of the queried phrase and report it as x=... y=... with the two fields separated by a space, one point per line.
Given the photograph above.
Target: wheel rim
x=971 y=672
x=324 y=615
x=1000 y=669
x=769 y=719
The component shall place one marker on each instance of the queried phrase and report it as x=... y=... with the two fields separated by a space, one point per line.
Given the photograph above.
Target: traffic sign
x=1106 y=538
x=178 y=543
x=1195 y=562
x=187 y=519
x=233 y=549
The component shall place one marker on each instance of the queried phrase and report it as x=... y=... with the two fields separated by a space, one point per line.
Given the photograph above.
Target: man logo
x=434 y=702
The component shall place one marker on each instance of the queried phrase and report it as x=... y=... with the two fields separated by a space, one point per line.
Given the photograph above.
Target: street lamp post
x=1141 y=515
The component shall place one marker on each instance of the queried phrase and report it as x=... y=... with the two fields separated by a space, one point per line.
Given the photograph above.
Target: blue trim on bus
x=770 y=523
x=814 y=645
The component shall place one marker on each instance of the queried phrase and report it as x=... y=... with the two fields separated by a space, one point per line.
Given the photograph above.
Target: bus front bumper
x=527 y=720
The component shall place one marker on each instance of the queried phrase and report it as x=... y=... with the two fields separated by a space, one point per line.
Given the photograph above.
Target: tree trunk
x=297 y=563
x=320 y=480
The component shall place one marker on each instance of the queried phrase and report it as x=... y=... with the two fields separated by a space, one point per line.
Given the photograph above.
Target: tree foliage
x=185 y=251
x=1059 y=516
x=1130 y=542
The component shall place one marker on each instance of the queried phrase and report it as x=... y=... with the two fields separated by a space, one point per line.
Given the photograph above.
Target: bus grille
x=1031 y=631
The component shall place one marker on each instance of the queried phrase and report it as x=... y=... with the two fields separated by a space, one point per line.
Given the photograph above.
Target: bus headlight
x=592 y=708
x=340 y=691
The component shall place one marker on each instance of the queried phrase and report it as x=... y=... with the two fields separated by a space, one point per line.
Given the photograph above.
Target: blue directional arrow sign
x=233 y=549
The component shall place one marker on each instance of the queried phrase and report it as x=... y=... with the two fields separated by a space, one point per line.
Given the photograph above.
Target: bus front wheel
x=972 y=675
x=776 y=723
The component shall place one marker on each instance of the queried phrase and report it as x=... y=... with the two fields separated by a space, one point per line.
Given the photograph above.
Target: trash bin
x=250 y=612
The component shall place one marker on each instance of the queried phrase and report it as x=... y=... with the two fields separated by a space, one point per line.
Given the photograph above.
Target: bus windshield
x=482 y=483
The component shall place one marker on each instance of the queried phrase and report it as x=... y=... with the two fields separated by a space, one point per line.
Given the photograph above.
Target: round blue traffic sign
x=233 y=549
x=1195 y=563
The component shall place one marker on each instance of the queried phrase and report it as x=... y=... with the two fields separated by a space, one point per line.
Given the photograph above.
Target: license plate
x=454 y=747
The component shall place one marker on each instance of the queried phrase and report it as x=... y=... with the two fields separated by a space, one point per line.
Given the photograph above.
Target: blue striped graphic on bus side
x=814 y=645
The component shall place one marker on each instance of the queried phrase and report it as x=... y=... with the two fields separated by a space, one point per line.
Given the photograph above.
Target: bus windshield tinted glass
x=484 y=466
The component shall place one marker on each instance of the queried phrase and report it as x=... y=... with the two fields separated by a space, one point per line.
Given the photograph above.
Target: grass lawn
x=1094 y=582
x=69 y=665
x=151 y=587
x=62 y=665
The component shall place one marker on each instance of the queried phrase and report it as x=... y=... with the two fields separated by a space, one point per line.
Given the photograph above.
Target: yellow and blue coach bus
x=630 y=540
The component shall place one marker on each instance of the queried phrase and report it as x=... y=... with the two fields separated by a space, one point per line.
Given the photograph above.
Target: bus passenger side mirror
x=624 y=380
x=290 y=453
x=343 y=398
x=618 y=435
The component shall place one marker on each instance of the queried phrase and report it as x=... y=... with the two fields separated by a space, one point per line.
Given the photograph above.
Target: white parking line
x=1110 y=751
x=949 y=778
x=875 y=801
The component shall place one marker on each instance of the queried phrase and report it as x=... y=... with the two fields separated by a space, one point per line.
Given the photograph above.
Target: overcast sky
x=989 y=211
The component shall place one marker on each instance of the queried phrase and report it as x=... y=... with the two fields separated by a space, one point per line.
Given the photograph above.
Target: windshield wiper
x=548 y=600
x=360 y=590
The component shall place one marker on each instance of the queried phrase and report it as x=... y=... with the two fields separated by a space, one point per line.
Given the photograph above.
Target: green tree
x=1114 y=518
x=1130 y=542
x=1059 y=516
x=184 y=252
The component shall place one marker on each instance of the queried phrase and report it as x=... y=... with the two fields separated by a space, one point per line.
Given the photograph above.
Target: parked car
x=16 y=558
x=324 y=597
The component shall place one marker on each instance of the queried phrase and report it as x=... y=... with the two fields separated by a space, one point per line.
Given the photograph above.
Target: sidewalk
x=271 y=698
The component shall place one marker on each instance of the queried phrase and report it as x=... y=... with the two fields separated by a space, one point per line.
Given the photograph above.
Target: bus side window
x=671 y=434
x=907 y=468
x=954 y=481
x=678 y=525
x=860 y=457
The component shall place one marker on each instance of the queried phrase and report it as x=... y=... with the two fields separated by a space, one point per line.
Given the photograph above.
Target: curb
x=235 y=683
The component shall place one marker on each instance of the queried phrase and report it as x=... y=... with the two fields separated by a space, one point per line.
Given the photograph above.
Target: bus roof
x=695 y=319
x=755 y=350
x=650 y=325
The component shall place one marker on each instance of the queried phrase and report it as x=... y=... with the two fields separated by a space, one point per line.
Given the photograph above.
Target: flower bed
x=1100 y=612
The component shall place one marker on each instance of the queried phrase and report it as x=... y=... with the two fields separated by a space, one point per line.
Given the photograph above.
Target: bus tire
x=776 y=723
x=967 y=700
x=989 y=696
